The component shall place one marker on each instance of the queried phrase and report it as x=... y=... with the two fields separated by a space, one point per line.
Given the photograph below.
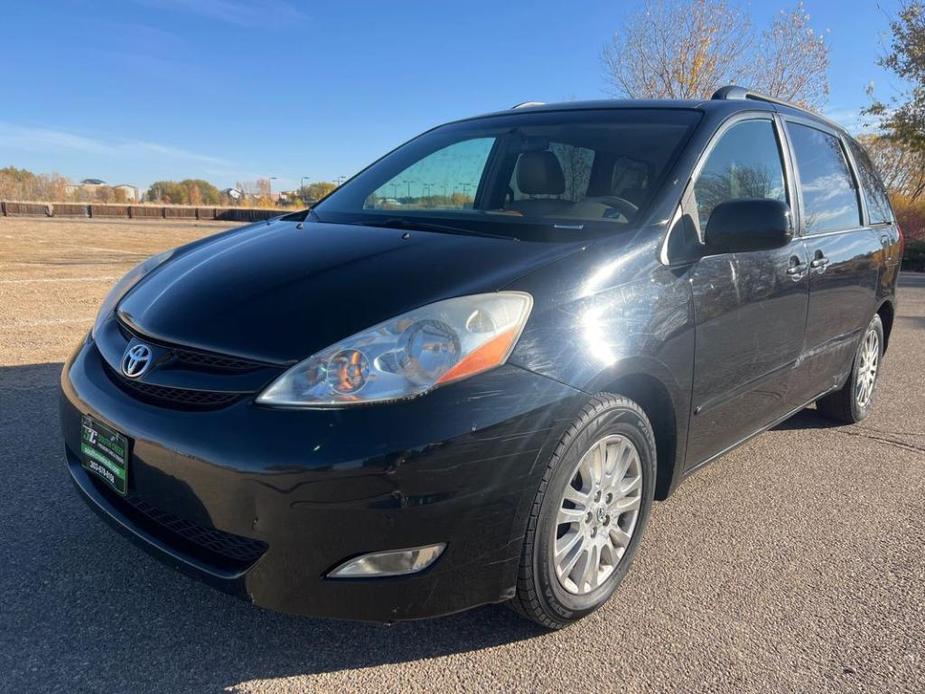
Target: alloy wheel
x=867 y=368
x=597 y=514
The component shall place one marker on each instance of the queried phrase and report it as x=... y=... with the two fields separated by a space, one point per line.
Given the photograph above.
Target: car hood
x=278 y=293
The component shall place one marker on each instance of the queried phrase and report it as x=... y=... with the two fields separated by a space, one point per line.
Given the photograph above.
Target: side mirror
x=748 y=225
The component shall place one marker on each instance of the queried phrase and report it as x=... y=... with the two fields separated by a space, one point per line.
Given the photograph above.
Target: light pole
x=302 y=187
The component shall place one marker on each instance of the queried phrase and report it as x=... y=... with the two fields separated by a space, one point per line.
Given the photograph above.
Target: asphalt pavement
x=795 y=563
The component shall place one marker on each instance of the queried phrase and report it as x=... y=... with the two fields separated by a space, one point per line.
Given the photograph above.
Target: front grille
x=211 y=546
x=213 y=362
x=195 y=359
x=183 y=398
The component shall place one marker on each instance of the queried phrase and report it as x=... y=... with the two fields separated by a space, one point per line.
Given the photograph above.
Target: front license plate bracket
x=104 y=452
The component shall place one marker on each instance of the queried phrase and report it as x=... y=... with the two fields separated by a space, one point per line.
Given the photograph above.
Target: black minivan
x=465 y=375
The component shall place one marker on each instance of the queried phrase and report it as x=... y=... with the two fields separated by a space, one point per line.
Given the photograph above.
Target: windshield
x=552 y=175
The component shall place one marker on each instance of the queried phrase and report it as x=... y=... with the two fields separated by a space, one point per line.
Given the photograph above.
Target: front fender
x=614 y=317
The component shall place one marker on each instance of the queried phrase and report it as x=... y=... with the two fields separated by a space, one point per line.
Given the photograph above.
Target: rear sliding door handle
x=819 y=262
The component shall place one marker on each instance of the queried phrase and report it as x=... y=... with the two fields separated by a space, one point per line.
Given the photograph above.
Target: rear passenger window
x=878 y=204
x=745 y=163
x=830 y=201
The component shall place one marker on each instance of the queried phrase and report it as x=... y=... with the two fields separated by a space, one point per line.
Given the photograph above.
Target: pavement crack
x=882 y=439
x=892 y=433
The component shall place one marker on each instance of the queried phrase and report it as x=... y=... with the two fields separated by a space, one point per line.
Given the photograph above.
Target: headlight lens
x=408 y=355
x=131 y=278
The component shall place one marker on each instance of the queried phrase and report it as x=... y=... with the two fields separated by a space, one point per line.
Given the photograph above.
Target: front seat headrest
x=539 y=173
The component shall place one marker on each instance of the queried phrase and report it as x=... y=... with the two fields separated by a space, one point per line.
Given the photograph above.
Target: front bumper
x=263 y=502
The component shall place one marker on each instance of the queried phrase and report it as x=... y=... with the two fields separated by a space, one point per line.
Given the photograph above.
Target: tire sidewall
x=858 y=413
x=615 y=420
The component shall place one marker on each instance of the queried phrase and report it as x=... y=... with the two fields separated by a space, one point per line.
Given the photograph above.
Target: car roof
x=719 y=106
x=616 y=104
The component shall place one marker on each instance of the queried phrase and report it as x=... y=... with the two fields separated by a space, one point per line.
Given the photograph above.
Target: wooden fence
x=128 y=211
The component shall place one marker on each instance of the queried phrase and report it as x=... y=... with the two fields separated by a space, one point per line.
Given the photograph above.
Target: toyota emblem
x=136 y=360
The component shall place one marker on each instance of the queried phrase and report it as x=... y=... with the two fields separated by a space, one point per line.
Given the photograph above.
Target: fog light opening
x=394 y=562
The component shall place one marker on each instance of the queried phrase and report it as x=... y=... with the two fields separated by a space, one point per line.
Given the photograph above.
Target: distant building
x=88 y=185
x=285 y=197
x=97 y=188
x=131 y=192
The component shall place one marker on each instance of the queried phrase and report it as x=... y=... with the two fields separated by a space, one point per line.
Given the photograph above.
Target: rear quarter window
x=878 y=203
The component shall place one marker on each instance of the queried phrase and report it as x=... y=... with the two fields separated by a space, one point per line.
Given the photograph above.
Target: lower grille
x=209 y=545
x=183 y=398
x=234 y=547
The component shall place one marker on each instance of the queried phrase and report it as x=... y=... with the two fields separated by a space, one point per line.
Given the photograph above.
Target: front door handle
x=796 y=269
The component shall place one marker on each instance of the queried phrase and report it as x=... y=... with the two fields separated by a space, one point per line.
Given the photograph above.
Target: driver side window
x=745 y=163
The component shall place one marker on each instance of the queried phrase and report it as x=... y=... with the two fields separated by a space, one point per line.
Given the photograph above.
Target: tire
x=846 y=404
x=608 y=429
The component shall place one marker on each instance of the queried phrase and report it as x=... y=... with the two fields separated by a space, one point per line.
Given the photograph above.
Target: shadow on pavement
x=808 y=418
x=83 y=609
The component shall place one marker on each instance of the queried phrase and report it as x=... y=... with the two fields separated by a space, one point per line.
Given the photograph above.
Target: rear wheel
x=589 y=513
x=853 y=402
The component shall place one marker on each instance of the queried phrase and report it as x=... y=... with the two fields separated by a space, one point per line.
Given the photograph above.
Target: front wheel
x=854 y=401
x=589 y=513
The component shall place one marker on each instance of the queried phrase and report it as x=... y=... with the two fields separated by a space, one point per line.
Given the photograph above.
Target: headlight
x=132 y=277
x=408 y=355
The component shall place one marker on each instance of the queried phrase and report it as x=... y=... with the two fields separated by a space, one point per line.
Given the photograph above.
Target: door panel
x=842 y=288
x=750 y=314
x=750 y=308
x=844 y=255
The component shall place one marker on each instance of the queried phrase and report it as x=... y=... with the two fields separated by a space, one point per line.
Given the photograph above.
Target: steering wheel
x=625 y=207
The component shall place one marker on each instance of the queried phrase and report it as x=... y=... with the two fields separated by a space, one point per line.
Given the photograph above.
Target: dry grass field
x=55 y=272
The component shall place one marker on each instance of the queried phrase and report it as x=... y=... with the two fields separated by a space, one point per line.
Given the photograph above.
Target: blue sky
x=231 y=90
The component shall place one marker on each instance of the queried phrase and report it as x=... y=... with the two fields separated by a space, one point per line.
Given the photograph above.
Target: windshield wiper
x=409 y=223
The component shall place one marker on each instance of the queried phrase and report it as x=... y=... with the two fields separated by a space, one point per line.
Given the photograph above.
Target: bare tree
x=792 y=60
x=686 y=50
x=264 y=186
x=21 y=184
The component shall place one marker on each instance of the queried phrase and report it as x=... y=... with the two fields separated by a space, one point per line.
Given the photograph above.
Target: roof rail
x=528 y=104
x=732 y=91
